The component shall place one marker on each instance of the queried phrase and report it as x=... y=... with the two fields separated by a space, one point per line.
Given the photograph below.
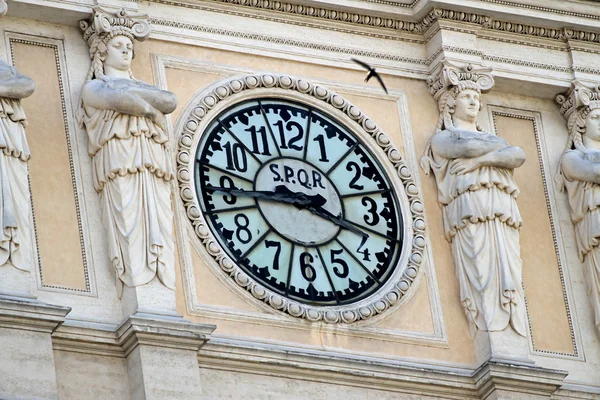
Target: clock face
x=298 y=202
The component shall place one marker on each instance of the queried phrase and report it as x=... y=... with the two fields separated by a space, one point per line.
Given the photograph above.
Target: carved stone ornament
x=230 y=94
x=580 y=174
x=128 y=143
x=15 y=220
x=477 y=192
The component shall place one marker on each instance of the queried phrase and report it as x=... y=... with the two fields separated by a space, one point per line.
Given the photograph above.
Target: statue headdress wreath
x=445 y=85
x=575 y=105
x=105 y=25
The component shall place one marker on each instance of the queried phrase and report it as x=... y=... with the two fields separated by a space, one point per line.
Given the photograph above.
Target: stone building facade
x=205 y=199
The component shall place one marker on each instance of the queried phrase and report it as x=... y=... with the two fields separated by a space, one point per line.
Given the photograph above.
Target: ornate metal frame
x=210 y=101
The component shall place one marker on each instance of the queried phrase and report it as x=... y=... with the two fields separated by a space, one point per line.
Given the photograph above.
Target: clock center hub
x=297 y=223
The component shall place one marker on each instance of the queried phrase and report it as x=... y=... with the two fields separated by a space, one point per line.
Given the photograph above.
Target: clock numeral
x=308 y=271
x=365 y=252
x=227 y=182
x=291 y=143
x=255 y=140
x=321 y=140
x=272 y=243
x=354 y=166
x=236 y=157
x=242 y=222
x=345 y=270
x=373 y=219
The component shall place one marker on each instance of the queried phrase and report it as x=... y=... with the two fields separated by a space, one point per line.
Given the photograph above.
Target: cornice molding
x=389 y=374
x=544 y=9
x=286 y=41
x=308 y=11
x=139 y=329
x=414 y=27
x=394 y=3
x=31 y=315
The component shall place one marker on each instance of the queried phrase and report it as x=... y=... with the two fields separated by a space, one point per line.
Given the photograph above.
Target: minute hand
x=338 y=220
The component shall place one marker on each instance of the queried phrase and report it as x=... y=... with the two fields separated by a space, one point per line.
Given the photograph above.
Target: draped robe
x=16 y=244
x=132 y=172
x=481 y=221
x=584 y=199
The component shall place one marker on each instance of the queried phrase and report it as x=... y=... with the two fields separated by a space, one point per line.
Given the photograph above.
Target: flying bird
x=372 y=73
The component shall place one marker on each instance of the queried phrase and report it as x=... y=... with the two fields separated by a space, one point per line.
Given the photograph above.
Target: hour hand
x=338 y=220
x=281 y=194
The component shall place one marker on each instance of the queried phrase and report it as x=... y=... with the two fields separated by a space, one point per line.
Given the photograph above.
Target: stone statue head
x=114 y=50
x=111 y=37
x=119 y=53
x=3 y=8
x=461 y=102
x=581 y=107
x=458 y=88
x=585 y=124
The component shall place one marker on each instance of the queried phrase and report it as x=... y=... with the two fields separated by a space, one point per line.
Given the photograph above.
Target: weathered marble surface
x=580 y=175
x=128 y=143
x=473 y=171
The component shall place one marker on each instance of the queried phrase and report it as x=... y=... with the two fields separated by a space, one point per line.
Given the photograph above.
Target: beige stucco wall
x=64 y=267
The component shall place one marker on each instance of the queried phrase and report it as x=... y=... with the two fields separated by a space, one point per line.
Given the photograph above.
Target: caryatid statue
x=580 y=174
x=128 y=143
x=474 y=174
x=16 y=242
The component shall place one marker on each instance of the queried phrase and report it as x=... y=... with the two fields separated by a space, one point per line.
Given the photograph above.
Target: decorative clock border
x=373 y=305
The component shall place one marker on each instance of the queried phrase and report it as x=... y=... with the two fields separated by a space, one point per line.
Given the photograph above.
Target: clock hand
x=281 y=194
x=313 y=203
x=338 y=220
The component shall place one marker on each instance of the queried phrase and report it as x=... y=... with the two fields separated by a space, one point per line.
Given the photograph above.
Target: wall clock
x=297 y=200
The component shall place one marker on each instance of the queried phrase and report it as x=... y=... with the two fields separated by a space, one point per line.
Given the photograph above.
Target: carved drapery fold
x=16 y=243
x=478 y=194
x=579 y=172
x=128 y=144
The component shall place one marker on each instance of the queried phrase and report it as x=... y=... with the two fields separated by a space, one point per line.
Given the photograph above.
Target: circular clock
x=298 y=201
x=297 y=205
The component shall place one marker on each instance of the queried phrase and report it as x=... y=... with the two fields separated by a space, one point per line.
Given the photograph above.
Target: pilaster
x=162 y=356
x=499 y=380
x=26 y=355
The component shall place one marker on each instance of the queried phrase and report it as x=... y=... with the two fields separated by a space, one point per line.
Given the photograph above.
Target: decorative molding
x=545 y=9
x=375 y=33
x=198 y=112
x=594 y=71
x=289 y=42
x=308 y=11
x=538 y=44
x=57 y=46
x=523 y=63
x=451 y=15
x=485 y=21
x=461 y=50
x=31 y=315
x=159 y=331
x=391 y=375
x=416 y=28
x=535 y=118
x=140 y=329
x=394 y=3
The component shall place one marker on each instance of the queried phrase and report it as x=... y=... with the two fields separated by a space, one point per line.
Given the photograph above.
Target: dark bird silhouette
x=372 y=73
